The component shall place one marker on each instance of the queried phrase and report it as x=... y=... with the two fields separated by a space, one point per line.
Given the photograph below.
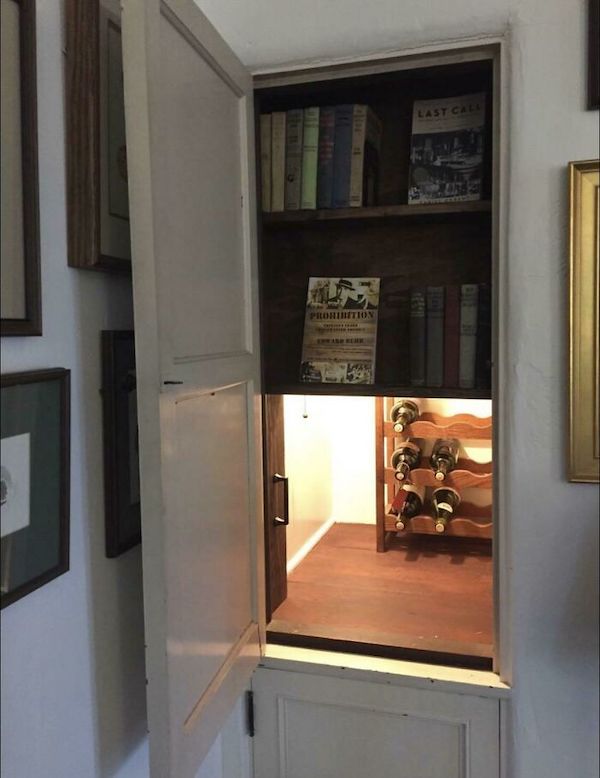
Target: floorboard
x=427 y=593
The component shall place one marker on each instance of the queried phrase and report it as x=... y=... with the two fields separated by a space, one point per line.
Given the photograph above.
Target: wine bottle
x=445 y=502
x=403 y=413
x=444 y=457
x=404 y=458
x=409 y=504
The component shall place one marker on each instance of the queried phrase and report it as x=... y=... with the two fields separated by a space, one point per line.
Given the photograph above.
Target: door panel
x=211 y=605
x=201 y=241
x=190 y=161
x=312 y=725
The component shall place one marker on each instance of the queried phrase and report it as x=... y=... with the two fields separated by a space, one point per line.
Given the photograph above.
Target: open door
x=277 y=507
x=189 y=115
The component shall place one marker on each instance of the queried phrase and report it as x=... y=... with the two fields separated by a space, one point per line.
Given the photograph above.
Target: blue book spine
x=434 y=358
x=325 y=162
x=342 y=155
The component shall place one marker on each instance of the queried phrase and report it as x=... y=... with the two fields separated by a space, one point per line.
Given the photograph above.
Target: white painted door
x=314 y=726
x=190 y=145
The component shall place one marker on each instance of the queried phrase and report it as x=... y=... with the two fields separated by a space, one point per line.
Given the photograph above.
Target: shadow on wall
x=116 y=599
x=580 y=606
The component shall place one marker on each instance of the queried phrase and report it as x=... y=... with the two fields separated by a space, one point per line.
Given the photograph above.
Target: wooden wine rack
x=472 y=521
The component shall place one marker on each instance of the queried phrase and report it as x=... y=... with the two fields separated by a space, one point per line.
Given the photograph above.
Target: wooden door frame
x=494 y=46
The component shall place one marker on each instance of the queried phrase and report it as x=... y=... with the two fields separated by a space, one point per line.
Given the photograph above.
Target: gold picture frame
x=584 y=348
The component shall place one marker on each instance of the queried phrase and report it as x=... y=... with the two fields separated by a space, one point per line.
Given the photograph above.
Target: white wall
x=308 y=465
x=553 y=524
x=326 y=483
x=73 y=686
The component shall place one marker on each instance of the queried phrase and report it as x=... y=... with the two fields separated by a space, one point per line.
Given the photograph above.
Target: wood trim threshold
x=375 y=390
x=396 y=211
x=471 y=656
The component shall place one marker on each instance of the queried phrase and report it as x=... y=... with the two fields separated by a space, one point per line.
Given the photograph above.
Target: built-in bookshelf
x=406 y=245
x=403 y=243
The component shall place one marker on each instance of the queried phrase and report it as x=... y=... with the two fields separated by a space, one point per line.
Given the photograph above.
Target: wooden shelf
x=433 y=425
x=470 y=476
x=458 y=528
x=461 y=526
x=380 y=390
x=378 y=212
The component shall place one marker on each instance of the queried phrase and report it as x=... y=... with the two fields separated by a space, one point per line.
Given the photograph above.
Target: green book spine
x=310 y=151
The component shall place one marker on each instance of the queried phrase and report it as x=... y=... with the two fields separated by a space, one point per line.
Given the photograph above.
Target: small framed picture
x=121 y=458
x=593 y=55
x=97 y=190
x=34 y=482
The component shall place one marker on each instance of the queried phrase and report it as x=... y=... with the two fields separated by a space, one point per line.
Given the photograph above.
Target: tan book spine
x=265 y=161
x=293 y=159
x=278 y=120
x=359 y=132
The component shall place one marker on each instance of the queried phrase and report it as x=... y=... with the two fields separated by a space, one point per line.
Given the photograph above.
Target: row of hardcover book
x=329 y=157
x=319 y=157
x=450 y=336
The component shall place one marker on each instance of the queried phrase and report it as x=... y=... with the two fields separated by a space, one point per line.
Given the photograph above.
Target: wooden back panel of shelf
x=458 y=251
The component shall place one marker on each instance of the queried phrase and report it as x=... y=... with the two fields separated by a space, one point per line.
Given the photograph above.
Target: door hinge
x=250 y=713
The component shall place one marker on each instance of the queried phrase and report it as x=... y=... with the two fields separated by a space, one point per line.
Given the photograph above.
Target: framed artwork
x=593 y=54
x=584 y=351
x=97 y=193
x=121 y=457
x=19 y=229
x=34 y=482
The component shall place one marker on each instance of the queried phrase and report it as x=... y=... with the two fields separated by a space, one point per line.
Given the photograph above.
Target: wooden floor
x=424 y=594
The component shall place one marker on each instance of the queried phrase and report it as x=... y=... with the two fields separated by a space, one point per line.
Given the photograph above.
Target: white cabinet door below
x=311 y=726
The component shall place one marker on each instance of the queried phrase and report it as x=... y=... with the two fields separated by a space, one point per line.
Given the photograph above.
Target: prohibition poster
x=340 y=331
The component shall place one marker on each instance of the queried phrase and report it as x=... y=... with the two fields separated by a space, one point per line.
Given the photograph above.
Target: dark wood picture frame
x=63 y=376
x=83 y=116
x=122 y=516
x=31 y=323
x=593 y=55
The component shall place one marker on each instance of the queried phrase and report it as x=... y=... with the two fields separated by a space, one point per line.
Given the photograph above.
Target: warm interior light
x=330 y=462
